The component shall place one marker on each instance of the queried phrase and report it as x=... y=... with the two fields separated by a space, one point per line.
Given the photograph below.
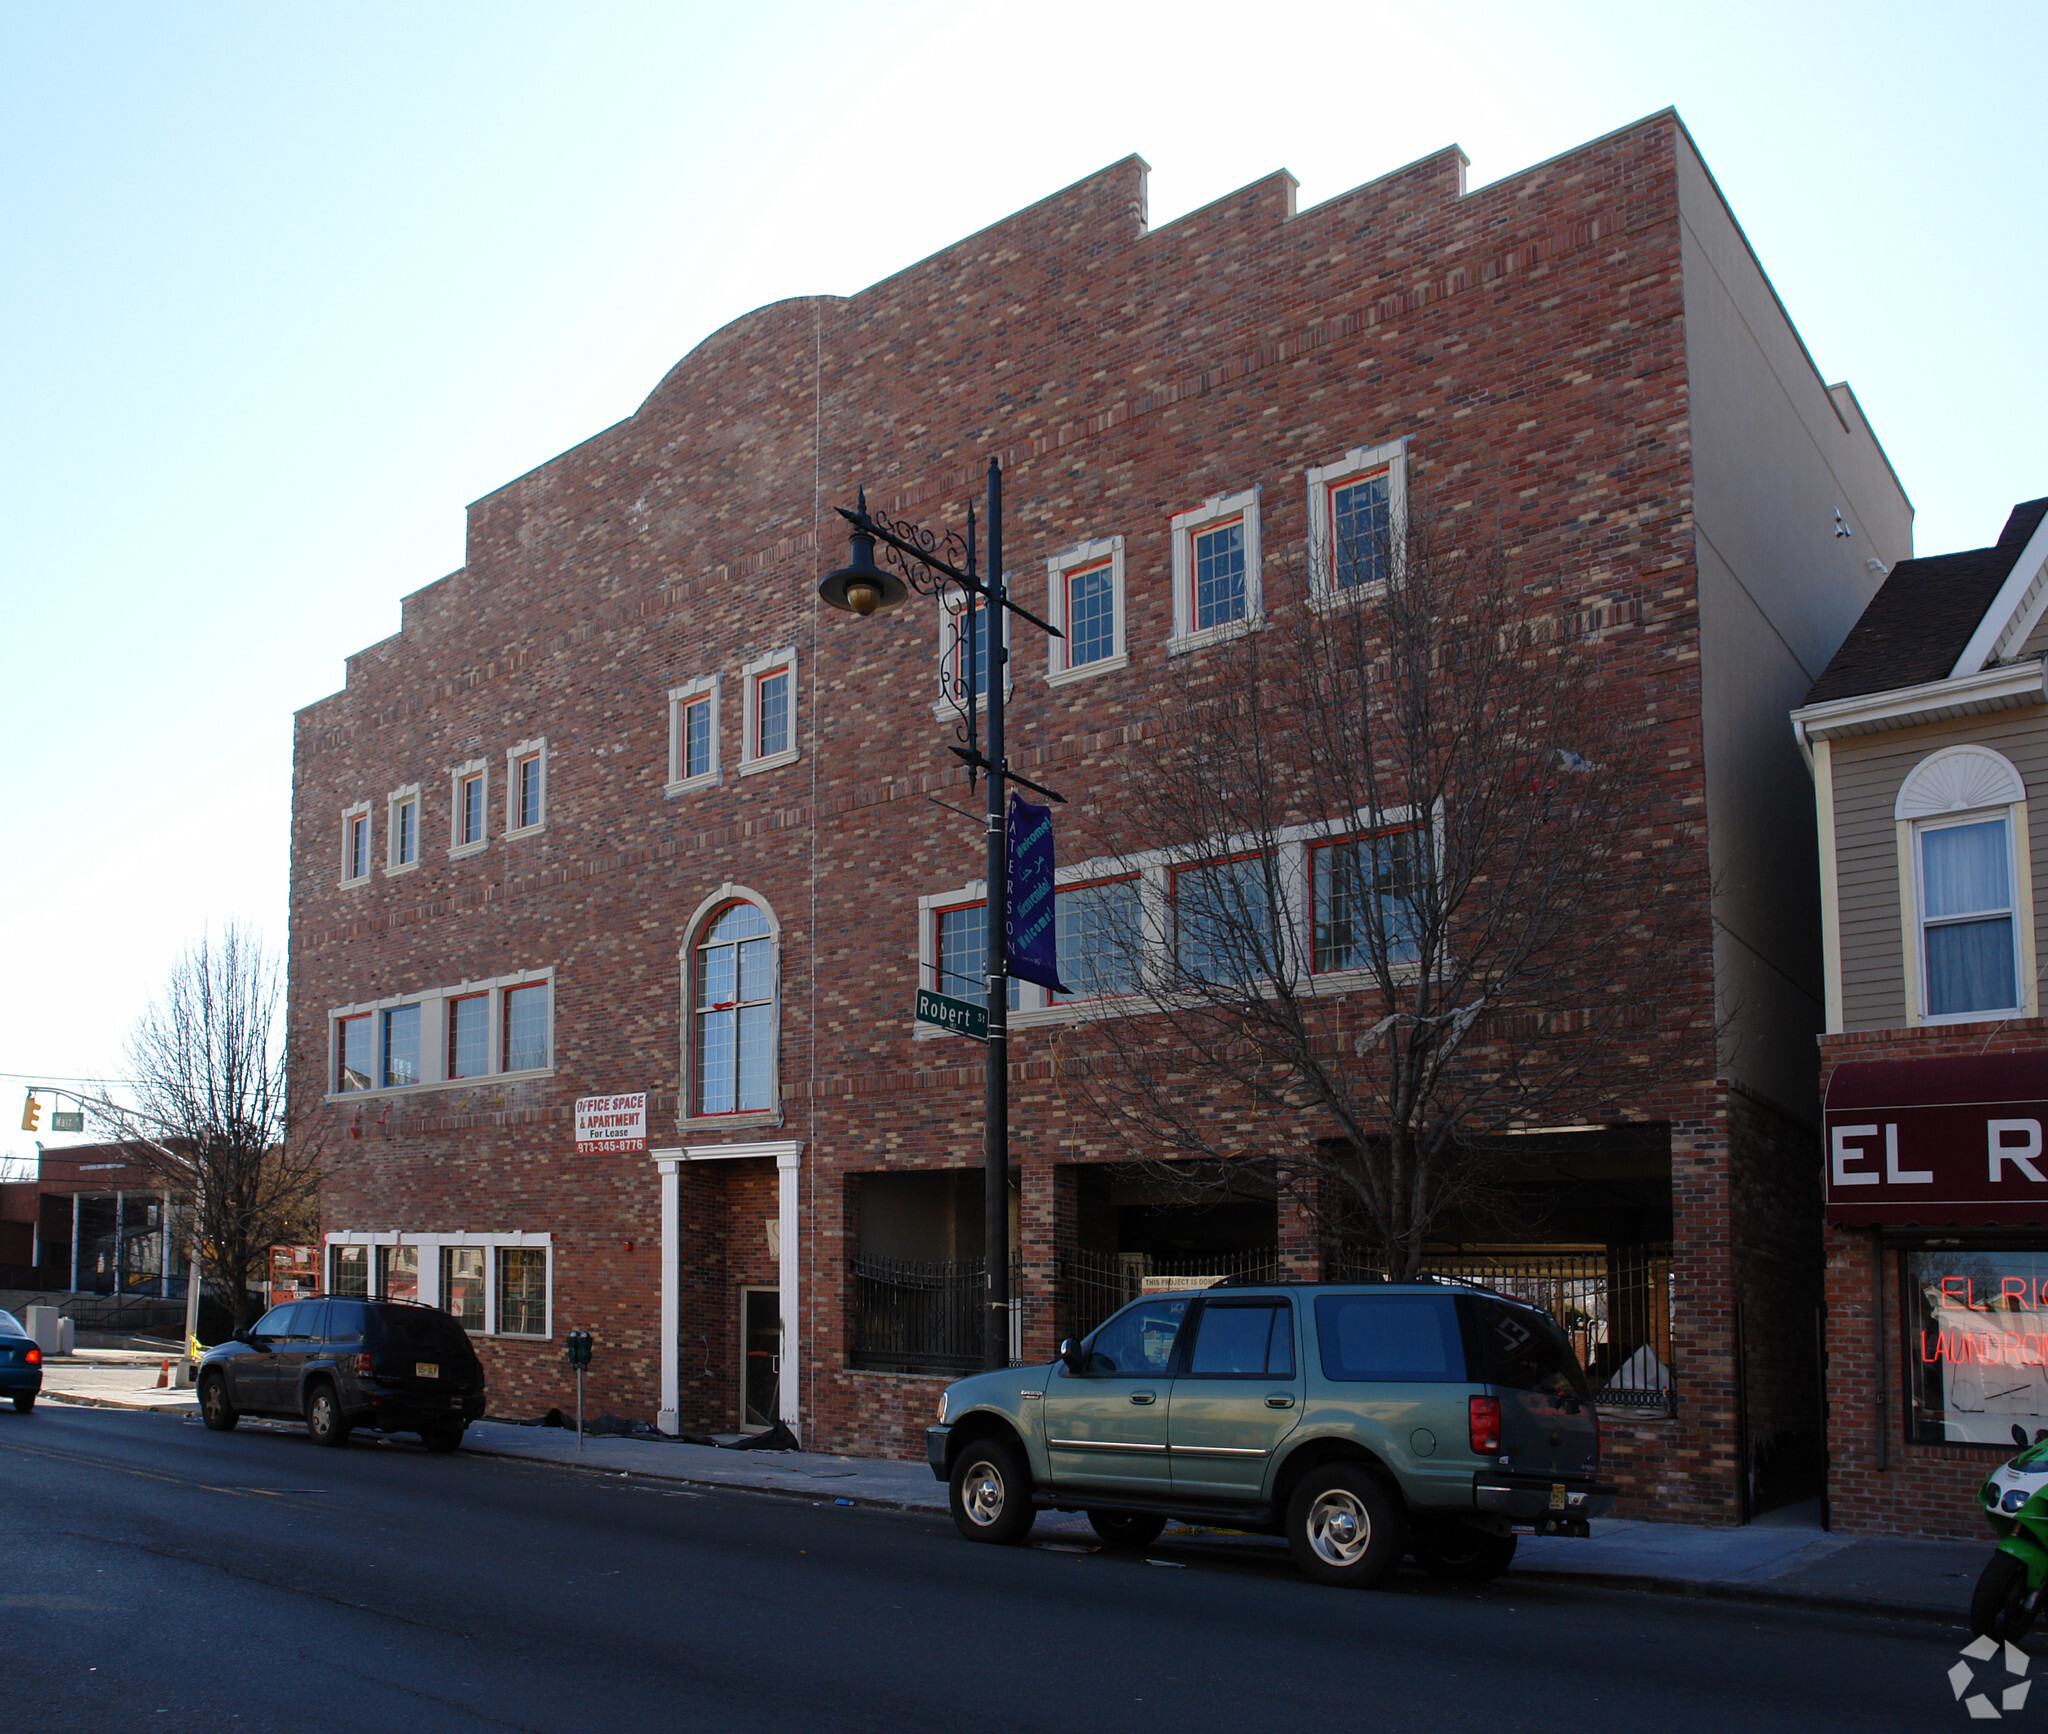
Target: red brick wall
x=1529 y=339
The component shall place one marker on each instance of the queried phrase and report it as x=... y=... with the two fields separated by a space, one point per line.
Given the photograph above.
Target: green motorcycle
x=2015 y=1501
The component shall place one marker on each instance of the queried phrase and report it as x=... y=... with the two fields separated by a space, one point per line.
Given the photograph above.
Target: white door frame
x=788 y=1157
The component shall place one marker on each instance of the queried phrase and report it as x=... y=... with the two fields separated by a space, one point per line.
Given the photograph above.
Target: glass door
x=760 y=1357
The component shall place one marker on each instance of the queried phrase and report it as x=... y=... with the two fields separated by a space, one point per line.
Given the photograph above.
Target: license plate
x=432 y=1370
x=1557 y=1496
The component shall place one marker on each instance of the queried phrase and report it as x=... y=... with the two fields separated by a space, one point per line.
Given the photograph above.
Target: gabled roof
x=1947 y=615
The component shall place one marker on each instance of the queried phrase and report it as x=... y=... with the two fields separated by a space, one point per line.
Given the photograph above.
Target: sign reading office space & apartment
x=611 y=1125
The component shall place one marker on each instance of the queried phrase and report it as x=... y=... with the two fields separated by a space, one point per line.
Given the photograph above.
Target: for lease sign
x=611 y=1125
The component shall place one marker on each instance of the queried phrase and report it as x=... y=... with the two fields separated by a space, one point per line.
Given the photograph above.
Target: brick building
x=1926 y=736
x=622 y=808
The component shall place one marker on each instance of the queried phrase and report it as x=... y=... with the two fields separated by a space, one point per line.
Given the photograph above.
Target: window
x=1962 y=885
x=770 y=712
x=526 y=1027
x=398 y=1272
x=401 y=1047
x=403 y=829
x=693 y=735
x=469 y=790
x=1367 y=895
x=1357 y=510
x=961 y=660
x=1215 y=570
x=462 y=1285
x=522 y=1291
x=526 y=791
x=1243 y=1340
x=962 y=957
x=349 y=1270
x=353 y=1059
x=1977 y=1343
x=1406 y=1338
x=735 y=1012
x=1139 y=1340
x=1223 y=921
x=1085 y=591
x=469 y=1035
x=1100 y=932
x=355 y=844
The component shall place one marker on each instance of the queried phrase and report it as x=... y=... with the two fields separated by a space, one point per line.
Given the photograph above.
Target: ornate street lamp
x=922 y=560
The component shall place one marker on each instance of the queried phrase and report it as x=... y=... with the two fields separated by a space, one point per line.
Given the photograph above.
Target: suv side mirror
x=1073 y=1357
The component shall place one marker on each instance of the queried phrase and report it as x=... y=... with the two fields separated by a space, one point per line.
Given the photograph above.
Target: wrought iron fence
x=1092 y=1285
x=918 y=1316
x=1615 y=1305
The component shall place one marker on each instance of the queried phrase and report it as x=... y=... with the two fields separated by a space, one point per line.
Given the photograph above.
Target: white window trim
x=535 y=748
x=2019 y=885
x=433 y=1006
x=750 y=702
x=1082 y=557
x=1154 y=870
x=457 y=776
x=680 y=698
x=431 y=1244
x=1186 y=526
x=349 y=816
x=392 y=802
x=693 y=931
x=1360 y=461
x=951 y=605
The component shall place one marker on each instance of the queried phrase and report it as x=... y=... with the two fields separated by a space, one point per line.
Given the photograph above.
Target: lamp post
x=924 y=561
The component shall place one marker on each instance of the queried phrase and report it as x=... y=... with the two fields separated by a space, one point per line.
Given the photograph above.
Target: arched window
x=1961 y=815
x=732 y=1012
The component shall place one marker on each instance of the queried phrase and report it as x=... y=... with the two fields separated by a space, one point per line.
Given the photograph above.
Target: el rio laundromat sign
x=1938 y=1143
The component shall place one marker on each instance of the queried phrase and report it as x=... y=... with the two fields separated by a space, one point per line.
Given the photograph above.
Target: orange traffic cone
x=163 y=1378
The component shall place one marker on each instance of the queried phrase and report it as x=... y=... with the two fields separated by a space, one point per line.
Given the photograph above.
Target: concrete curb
x=71 y=1400
x=1708 y=1589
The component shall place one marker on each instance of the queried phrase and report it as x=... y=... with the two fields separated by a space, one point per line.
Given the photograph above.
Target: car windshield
x=421 y=1328
x=10 y=1326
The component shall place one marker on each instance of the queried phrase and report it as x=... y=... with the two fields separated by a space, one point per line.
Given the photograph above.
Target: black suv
x=341 y=1363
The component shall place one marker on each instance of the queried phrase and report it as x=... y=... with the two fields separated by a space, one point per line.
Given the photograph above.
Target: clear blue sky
x=285 y=287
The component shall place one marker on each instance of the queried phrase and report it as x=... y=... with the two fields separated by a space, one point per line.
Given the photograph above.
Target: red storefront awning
x=1949 y=1143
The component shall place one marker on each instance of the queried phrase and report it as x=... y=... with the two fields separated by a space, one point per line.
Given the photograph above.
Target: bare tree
x=209 y=1089
x=1399 y=887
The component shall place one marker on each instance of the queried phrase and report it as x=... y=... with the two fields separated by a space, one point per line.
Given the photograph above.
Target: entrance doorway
x=760 y=1357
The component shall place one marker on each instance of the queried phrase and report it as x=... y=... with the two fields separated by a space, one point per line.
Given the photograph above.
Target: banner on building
x=1029 y=931
x=611 y=1125
x=1937 y=1142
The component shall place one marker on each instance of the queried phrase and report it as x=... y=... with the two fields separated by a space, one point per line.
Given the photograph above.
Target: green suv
x=1363 y=1422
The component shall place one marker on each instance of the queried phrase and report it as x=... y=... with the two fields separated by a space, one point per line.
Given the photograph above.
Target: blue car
x=21 y=1364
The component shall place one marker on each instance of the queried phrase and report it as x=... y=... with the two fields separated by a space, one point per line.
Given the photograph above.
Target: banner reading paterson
x=611 y=1125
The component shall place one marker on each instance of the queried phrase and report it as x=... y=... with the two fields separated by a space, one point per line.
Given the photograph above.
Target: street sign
x=611 y=1125
x=955 y=1016
x=71 y=1120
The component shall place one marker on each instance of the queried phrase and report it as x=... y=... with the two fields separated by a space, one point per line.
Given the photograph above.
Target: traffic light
x=31 y=1114
x=579 y=1348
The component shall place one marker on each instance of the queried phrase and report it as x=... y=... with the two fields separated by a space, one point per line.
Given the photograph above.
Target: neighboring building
x=621 y=808
x=95 y=1220
x=1927 y=735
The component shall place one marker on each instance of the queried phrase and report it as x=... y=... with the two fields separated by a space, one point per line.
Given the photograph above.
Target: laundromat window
x=1976 y=1345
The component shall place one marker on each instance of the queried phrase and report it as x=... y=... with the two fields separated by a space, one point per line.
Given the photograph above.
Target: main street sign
x=72 y=1120
x=956 y=1016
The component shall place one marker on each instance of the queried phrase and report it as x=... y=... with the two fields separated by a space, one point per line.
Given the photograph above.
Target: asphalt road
x=157 y=1576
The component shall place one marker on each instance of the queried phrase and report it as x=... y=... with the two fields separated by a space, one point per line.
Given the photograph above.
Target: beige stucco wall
x=1867 y=773
x=1775 y=454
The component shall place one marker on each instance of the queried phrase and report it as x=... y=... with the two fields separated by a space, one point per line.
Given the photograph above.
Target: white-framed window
x=1965 y=888
x=1358 y=521
x=500 y=1027
x=494 y=1284
x=1216 y=590
x=768 y=689
x=355 y=844
x=732 y=1007
x=693 y=735
x=526 y=788
x=1084 y=591
x=960 y=659
x=469 y=795
x=1100 y=925
x=1364 y=892
x=402 y=829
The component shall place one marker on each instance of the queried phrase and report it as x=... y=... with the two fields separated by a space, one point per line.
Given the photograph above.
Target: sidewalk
x=114 y=1379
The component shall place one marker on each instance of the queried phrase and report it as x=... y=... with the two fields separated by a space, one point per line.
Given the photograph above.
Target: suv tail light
x=364 y=1365
x=34 y=1357
x=1483 y=1419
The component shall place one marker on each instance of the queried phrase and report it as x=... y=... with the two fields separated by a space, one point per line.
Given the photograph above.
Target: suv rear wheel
x=324 y=1419
x=214 y=1408
x=1344 y=1527
x=990 y=1492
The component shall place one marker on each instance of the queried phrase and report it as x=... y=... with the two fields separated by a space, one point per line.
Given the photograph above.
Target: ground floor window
x=398 y=1272
x=462 y=1285
x=522 y=1291
x=349 y=1270
x=491 y=1284
x=1976 y=1341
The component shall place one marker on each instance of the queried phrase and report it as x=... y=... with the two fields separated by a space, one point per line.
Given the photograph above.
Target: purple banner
x=1028 y=925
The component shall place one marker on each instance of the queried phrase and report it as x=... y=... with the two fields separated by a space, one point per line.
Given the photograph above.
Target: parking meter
x=579 y=1358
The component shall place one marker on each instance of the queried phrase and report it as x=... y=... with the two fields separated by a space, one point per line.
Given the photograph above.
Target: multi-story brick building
x=622 y=808
x=1925 y=734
